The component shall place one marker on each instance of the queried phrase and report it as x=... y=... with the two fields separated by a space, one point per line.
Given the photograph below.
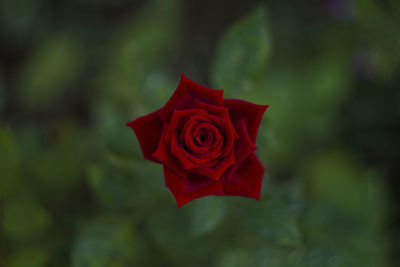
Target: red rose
x=205 y=143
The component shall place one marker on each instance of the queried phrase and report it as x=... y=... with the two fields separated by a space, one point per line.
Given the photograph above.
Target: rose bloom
x=205 y=143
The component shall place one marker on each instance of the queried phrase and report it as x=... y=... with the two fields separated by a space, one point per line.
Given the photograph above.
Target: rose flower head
x=205 y=143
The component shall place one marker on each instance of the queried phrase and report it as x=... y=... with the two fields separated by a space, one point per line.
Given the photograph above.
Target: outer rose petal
x=148 y=130
x=164 y=155
x=194 y=187
x=247 y=179
x=243 y=149
x=211 y=109
x=217 y=171
x=252 y=113
x=185 y=95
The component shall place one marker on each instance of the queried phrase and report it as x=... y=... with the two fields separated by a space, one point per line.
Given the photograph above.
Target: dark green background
x=75 y=190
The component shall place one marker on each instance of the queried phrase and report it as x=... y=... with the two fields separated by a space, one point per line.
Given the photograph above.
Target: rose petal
x=176 y=151
x=148 y=130
x=177 y=117
x=190 y=136
x=189 y=160
x=230 y=136
x=195 y=186
x=225 y=125
x=219 y=169
x=212 y=109
x=164 y=155
x=247 y=179
x=243 y=148
x=252 y=113
x=185 y=95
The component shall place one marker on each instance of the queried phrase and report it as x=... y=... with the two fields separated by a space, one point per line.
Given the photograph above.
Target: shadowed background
x=75 y=190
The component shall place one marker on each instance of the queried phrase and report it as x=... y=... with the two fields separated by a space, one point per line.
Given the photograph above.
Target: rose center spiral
x=203 y=137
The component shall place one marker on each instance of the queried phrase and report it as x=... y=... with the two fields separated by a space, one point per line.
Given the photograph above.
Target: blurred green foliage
x=44 y=79
x=76 y=191
x=242 y=53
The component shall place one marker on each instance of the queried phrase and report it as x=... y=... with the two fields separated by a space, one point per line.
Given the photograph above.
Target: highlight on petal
x=148 y=130
x=185 y=95
x=195 y=186
x=246 y=180
x=251 y=113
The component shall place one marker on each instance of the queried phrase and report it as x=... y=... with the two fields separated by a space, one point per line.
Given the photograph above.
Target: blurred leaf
x=208 y=213
x=107 y=241
x=110 y=126
x=18 y=17
x=264 y=257
x=24 y=218
x=32 y=257
x=346 y=207
x=276 y=218
x=337 y=179
x=62 y=162
x=303 y=108
x=10 y=163
x=169 y=228
x=242 y=53
x=138 y=52
x=54 y=65
x=126 y=184
x=378 y=22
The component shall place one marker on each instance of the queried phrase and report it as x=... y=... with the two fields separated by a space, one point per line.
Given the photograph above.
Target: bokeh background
x=75 y=190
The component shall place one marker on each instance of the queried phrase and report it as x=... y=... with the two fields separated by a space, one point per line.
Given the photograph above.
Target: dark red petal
x=195 y=186
x=148 y=130
x=247 y=179
x=230 y=136
x=243 y=149
x=212 y=109
x=252 y=113
x=217 y=171
x=185 y=95
x=186 y=162
x=189 y=160
x=164 y=155
x=191 y=138
x=177 y=117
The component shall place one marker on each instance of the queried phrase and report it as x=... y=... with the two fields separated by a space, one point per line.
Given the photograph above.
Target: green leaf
x=110 y=126
x=24 y=218
x=276 y=218
x=53 y=66
x=125 y=185
x=107 y=241
x=303 y=107
x=33 y=257
x=346 y=206
x=242 y=53
x=262 y=257
x=10 y=163
x=208 y=213
x=63 y=162
x=137 y=54
x=336 y=178
x=169 y=228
